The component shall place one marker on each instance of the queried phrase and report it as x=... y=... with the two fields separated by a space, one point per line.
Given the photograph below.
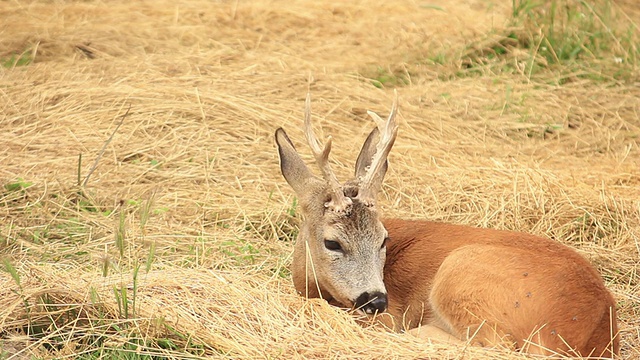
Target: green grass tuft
x=558 y=39
x=14 y=60
x=382 y=77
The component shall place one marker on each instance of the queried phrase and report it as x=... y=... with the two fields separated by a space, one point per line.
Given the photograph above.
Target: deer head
x=341 y=248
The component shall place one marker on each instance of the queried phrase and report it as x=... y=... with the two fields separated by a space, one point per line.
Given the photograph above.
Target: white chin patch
x=362 y=312
x=369 y=311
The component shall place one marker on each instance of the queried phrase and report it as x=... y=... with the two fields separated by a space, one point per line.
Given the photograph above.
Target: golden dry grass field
x=142 y=212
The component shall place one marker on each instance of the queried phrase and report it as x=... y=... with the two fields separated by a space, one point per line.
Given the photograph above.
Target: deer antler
x=372 y=180
x=339 y=202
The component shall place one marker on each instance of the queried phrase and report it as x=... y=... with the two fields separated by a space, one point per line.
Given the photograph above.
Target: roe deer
x=442 y=280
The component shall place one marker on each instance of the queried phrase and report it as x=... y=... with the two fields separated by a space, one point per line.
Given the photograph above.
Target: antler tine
x=378 y=120
x=371 y=181
x=339 y=202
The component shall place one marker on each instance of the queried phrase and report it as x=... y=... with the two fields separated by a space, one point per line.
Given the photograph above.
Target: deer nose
x=371 y=303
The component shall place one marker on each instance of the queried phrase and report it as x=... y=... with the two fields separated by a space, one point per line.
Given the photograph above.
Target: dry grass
x=186 y=213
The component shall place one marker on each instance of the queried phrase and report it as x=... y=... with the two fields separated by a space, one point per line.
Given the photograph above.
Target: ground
x=142 y=212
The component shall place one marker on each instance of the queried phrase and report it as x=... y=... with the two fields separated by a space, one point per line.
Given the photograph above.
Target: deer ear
x=366 y=155
x=293 y=168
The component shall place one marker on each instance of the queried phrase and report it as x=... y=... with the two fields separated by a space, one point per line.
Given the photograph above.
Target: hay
x=208 y=83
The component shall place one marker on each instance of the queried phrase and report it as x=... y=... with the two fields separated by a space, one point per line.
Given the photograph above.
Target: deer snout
x=371 y=303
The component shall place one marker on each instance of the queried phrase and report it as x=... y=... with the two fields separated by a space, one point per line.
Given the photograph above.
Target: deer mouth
x=372 y=302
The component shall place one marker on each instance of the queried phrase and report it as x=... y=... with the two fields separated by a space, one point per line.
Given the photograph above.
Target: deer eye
x=332 y=245
x=384 y=243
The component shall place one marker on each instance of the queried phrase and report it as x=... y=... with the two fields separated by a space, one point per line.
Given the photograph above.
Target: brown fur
x=459 y=277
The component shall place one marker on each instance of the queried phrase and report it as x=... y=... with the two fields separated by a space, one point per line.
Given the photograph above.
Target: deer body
x=498 y=286
x=464 y=283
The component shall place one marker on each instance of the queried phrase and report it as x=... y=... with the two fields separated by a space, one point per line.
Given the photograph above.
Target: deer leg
x=434 y=333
